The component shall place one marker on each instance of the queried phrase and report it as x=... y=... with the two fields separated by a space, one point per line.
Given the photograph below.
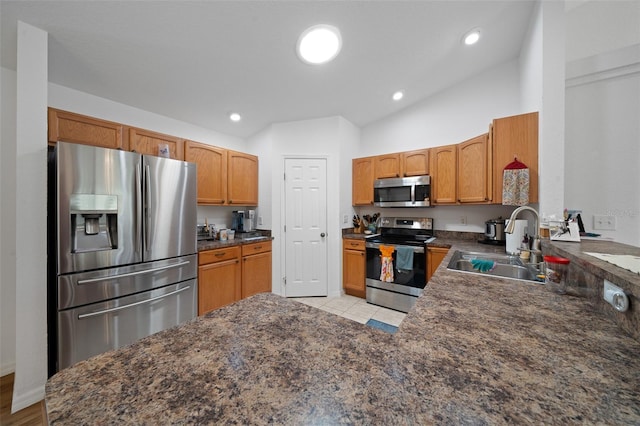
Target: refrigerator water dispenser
x=94 y=222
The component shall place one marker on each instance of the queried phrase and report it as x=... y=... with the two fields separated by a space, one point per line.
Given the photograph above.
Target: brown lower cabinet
x=219 y=278
x=354 y=267
x=256 y=268
x=434 y=259
x=227 y=275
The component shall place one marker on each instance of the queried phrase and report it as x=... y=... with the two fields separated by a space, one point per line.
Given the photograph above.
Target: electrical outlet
x=345 y=219
x=463 y=220
x=605 y=223
x=259 y=220
x=615 y=296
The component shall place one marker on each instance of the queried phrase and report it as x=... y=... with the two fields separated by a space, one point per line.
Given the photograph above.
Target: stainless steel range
x=395 y=281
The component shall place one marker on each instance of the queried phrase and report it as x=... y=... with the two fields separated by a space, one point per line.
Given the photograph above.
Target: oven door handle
x=376 y=246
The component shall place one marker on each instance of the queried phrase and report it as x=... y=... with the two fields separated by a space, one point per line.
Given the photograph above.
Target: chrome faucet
x=536 y=252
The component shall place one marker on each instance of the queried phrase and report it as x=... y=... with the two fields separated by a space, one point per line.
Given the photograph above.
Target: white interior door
x=306 y=227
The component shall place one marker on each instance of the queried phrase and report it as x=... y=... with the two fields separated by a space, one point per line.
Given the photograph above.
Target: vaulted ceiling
x=197 y=61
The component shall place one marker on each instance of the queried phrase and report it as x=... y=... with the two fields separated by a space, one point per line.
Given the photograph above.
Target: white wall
x=261 y=145
x=603 y=115
x=596 y=27
x=8 y=222
x=542 y=65
x=328 y=138
x=451 y=116
x=530 y=63
x=31 y=205
x=83 y=103
x=349 y=145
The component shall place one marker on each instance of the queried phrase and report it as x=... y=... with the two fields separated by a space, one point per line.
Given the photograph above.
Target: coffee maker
x=237 y=220
x=243 y=220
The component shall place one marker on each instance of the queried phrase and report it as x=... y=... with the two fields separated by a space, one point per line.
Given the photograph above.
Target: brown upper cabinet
x=415 y=163
x=212 y=171
x=444 y=174
x=515 y=137
x=225 y=177
x=242 y=179
x=402 y=164
x=466 y=173
x=149 y=143
x=362 y=181
x=76 y=128
x=387 y=166
x=474 y=171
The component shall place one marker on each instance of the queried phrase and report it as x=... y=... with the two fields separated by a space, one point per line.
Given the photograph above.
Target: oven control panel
x=407 y=222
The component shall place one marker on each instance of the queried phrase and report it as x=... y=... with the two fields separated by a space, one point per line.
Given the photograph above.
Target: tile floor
x=354 y=308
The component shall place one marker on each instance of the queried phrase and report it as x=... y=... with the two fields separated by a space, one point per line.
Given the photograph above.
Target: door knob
x=322 y=235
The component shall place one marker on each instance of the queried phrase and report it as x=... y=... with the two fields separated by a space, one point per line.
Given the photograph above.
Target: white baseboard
x=7 y=368
x=26 y=399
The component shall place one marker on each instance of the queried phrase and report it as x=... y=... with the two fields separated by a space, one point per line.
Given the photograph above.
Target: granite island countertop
x=474 y=350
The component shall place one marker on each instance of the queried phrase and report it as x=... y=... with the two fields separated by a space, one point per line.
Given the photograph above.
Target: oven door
x=410 y=282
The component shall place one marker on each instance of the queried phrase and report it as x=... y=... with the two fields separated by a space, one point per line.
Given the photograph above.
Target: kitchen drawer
x=255 y=248
x=218 y=255
x=350 y=244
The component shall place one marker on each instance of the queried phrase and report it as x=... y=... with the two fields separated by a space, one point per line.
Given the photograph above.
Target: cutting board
x=625 y=261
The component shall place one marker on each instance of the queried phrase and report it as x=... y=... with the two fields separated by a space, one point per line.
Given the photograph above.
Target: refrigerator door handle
x=138 y=209
x=119 y=308
x=147 y=219
x=131 y=274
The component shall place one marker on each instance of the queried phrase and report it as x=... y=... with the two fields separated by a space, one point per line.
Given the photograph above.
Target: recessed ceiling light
x=319 y=44
x=471 y=37
x=234 y=116
x=398 y=95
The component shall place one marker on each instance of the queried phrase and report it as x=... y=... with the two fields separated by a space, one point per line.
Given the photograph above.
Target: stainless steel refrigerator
x=124 y=249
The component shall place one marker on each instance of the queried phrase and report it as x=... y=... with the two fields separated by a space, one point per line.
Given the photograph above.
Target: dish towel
x=404 y=259
x=515 y=184
x=386 y=270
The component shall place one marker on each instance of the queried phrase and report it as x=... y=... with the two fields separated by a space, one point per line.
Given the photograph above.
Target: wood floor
x=30 y=416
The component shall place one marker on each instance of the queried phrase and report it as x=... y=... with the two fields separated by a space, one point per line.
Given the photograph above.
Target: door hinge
x=285 y=228
x=284 y=280
x=284 y=176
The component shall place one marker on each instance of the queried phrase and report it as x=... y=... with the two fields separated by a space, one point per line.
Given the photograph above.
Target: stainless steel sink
x=505 y=266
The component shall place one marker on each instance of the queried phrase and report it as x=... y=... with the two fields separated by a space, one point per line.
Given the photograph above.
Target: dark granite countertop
x=216 y=244
x=474 y=350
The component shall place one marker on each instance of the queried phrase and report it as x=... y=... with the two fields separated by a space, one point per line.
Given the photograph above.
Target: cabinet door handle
x=220 y=254
x=257 y=248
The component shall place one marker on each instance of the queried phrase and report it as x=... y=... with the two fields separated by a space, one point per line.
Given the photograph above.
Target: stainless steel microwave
x=402 y=192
